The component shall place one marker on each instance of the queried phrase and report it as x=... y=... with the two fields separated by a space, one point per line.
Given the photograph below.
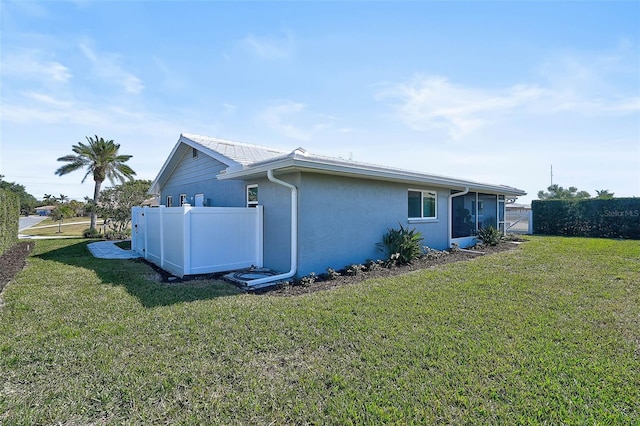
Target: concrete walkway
x=109 y=250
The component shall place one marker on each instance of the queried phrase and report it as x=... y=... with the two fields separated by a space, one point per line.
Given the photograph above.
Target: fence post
x=186 y=239
x=530 y=220
x=146 y=232
x=161 y=222
x=259 y=236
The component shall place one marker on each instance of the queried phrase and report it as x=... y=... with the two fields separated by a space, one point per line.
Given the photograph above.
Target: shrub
x=111 y=235
x=372 y=265
x=489 y=236
x=309 y=279
x=354 y=269
x=91 y=233
x=402 y=245
x=332 y=274
x=614 y=218
x=9 y=219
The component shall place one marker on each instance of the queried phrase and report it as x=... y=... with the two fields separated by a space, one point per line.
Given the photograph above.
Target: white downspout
x=451 y=197
x=294 y=233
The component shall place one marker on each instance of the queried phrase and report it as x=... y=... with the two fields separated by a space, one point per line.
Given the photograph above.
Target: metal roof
x=242 y=153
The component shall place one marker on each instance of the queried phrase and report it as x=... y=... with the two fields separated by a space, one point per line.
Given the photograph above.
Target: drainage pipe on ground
x=451 y=197
x=294 y=234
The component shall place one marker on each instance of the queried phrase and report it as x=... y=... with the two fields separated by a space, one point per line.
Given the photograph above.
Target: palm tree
x=100 y=158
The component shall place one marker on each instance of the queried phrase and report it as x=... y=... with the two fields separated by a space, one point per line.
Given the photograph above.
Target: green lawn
x=549 y=334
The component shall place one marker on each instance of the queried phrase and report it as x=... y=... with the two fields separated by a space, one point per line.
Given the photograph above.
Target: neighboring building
x=45 y=210
x=332 y=211
x=518 y=217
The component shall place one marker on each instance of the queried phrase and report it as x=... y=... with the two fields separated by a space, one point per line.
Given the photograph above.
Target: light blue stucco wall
x=276 y=202
x=193 y=176
x=341 y=219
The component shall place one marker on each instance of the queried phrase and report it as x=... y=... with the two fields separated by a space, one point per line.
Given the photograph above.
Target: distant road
x=28 y=222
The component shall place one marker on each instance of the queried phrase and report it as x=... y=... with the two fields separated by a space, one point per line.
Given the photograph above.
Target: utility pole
x=552 y=175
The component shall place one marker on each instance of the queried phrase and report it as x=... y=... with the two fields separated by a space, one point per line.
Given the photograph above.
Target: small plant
x=332 y=274
x=432 y=253
x=489 y=236
x=308 y=280
x=354 y=269
x=405 y=243
x=454 y=248
x=91 y=233
x=372 y=265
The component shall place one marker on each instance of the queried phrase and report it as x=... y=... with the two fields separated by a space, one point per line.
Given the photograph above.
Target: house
x=45 y=210
x=320 y=211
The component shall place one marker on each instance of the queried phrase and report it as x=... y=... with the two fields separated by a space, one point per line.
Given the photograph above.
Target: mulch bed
x=322 y=283
x=13 y=260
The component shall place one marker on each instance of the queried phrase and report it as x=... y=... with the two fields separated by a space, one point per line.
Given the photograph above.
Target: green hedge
x=614 y=218
x=9 y=218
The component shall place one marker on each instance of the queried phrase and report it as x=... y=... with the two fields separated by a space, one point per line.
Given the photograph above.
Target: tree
x=101 y=159
x=557 y=192
x=61 y=213
x=604 y=194
x=115 y=204
x=62 y=198
x=28 y=202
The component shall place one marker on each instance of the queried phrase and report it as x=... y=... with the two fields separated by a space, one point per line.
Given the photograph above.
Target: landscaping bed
x=13 y=260
x=379 y=271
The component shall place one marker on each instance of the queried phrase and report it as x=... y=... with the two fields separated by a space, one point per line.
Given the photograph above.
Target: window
x=183 y=199
x=422 y=204
x=199 y=200
x=169 y=200
x=194 y=153
x=252 y=195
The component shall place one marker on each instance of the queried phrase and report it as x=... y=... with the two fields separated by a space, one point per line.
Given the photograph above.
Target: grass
x=49 y=227
x=546 y=334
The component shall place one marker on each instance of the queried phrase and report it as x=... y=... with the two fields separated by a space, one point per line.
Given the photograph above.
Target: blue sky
x=490 y=91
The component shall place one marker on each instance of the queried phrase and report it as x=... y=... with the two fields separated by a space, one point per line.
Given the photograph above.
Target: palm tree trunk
x=96 y=194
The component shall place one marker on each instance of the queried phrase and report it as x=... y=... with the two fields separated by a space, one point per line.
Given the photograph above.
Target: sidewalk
x=109 y=250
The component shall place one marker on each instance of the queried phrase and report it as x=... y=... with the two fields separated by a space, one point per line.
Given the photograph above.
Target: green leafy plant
x=489 y=236
x=401 y=245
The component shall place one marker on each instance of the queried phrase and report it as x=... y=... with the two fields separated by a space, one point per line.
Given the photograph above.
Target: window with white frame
x=183 y=199
x=422 y=204
x=252 y=195
x=169 y=201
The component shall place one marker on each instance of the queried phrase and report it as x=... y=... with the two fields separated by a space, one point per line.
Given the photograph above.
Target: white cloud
x=279 y=116
x=434 y=102
x=107 y=67
x=269 y=47
x=33 y=64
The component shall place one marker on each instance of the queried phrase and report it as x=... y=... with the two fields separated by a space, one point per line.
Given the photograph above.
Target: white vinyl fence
x=198 y=240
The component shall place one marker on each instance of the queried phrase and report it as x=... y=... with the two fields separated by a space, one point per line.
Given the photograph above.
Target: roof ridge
x=231 y=142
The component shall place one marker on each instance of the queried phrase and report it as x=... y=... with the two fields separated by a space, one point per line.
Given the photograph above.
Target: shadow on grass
x=140 y=279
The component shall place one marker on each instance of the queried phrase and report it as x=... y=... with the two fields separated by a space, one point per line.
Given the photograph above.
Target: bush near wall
x=9 y=218
x=614 y=218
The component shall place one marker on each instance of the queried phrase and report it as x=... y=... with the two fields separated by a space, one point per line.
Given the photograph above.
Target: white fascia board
x=170 y=164
x=302 y=164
